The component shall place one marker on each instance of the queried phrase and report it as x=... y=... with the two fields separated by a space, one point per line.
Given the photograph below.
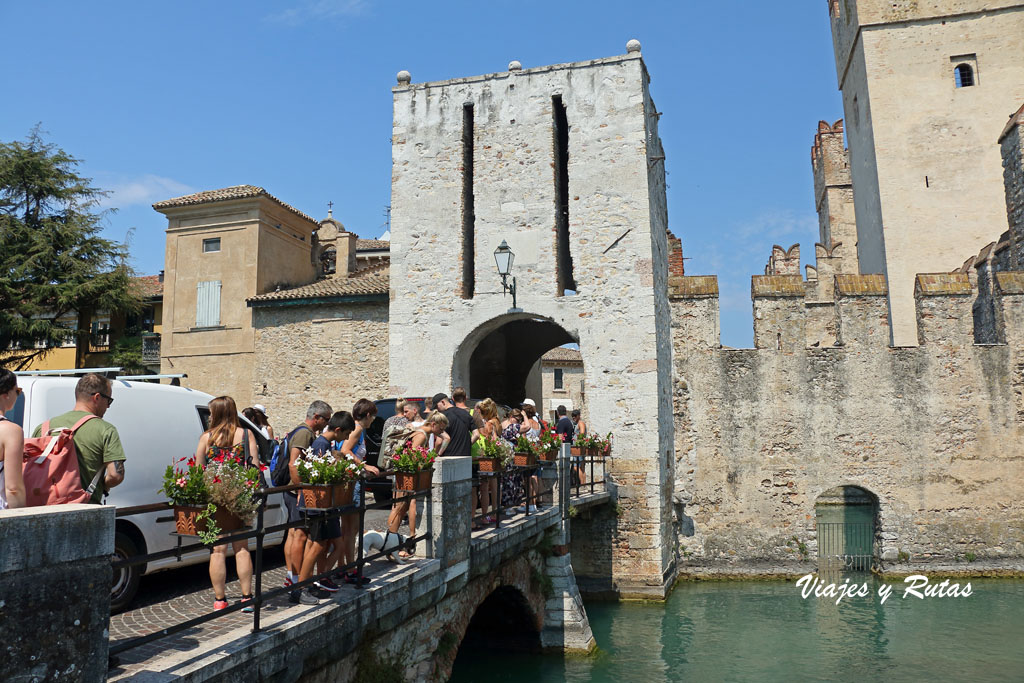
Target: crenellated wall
x=934 y=431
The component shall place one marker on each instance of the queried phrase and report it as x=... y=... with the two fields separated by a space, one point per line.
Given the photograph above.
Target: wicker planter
x=413 y=481
x=549 y=456
x=524 y=459
x=186 y=520
x=326 y=496
x=489 y=464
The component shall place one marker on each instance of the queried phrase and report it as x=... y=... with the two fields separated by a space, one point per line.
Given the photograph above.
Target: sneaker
x=327 y=585
x=303 y=597
x=318 y=593
x=530 y=508
x=288 y=581
x=357 y=580
x=219 y=605
x=247 y=601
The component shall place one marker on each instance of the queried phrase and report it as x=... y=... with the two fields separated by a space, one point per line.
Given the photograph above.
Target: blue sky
x=162 y=99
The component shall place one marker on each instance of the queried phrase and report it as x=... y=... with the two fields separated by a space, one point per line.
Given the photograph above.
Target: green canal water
x=764 y=631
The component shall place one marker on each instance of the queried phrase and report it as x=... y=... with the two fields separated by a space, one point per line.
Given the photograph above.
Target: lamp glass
x=504 y=258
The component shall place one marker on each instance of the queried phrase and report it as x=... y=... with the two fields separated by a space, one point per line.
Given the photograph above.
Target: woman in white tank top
x=12 y=442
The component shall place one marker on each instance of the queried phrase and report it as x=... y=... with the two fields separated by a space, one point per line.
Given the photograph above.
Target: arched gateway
x=564 y=164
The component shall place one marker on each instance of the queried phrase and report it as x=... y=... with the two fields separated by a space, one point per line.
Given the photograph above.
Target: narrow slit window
x=468 y=205
x=963 y=74
x=558 y=378
x=566 y=280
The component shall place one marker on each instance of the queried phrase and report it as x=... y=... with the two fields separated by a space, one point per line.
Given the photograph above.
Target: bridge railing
x=587 y=474
x=259 y=532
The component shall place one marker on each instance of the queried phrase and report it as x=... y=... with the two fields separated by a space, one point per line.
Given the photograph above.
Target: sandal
x=248 y=607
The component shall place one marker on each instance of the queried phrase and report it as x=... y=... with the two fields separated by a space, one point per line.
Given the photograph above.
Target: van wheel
x=126 y=579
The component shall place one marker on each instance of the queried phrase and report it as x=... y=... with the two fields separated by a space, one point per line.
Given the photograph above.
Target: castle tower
x=564 y=166
x=924 y=87
x=833 y=193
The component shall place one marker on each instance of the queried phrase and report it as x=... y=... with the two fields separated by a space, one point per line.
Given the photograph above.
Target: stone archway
x=847 y=525
x=495 y=359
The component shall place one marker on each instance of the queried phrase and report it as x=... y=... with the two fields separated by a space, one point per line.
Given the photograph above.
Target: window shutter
x=208 y=304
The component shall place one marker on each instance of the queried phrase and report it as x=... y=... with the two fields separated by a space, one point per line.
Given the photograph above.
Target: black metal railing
x=260 y=596
x=587 y=474
x=532 y=493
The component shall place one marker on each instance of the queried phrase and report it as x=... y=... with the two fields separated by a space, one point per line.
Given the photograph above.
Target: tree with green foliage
x=53 y=262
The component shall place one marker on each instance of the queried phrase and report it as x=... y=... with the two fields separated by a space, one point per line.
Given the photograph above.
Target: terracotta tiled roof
x=942 y=284
x=374 y=280
x=693 y=286
x=861 y=285
x=225 y=194
x=776 y=285
x=563 y=354
x=150 y=285
x=362 y=245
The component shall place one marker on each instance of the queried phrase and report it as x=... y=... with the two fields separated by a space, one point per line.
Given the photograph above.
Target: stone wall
x=337 y=353
x=55 y=592
x=616 y=236
x=935 y=432
x=1011 y=144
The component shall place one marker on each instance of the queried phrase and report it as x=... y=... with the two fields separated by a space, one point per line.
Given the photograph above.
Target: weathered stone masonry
x=933 y=431
x=619 y=250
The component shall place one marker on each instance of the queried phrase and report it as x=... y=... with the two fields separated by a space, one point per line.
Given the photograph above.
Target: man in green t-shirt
x=97 y=442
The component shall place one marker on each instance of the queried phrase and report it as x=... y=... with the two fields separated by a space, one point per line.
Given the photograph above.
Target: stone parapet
x=944 y=314
x=55 y=592
x=1009 y=305
x=449 y=515
x=694 y=304
x=862 y=311
x=779 y=312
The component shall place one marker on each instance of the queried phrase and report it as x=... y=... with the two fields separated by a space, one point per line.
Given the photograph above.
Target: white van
x=158 y=425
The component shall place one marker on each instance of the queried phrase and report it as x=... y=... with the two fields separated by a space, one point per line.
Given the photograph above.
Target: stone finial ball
x=404 y=77
x=633 y=45
x=514 y=65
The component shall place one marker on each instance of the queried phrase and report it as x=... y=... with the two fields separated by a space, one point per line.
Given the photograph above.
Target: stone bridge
x=410 y=620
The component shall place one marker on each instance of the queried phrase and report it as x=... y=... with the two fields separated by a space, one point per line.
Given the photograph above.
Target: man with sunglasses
x=97 y=442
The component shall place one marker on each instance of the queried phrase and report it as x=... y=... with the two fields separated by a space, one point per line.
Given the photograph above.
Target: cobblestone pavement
x=174 y=596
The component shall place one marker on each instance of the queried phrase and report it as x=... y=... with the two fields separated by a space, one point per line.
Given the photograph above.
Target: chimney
x=346 y=254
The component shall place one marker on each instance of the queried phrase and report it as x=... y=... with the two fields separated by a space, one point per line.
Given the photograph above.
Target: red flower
x=216 y=480
x=191 y=461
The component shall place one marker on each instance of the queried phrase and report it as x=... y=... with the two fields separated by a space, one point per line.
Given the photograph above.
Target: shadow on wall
x=594 y=533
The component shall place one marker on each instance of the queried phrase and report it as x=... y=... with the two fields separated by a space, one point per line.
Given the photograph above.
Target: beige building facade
x=223 y=247
x=924 y=85
x=561 y=372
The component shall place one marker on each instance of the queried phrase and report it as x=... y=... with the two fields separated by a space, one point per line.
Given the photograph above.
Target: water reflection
x=764 y=631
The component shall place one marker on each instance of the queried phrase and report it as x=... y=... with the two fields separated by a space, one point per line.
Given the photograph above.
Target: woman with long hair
x=12 y=441
x=354 y=448
x=225 y=436
x=491 y=429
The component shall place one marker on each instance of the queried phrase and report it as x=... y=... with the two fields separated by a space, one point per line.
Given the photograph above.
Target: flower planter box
x=524 y=459
x=326 y=496
x=413 y=481
x=549 y=456
x=575 y=450
x=489 y=464
x=187 y=524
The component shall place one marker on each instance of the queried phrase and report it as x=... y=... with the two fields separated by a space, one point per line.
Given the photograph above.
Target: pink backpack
x=51 y=467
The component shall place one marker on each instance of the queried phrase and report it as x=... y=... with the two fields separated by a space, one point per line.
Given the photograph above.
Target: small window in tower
x=329 y=261
x=964 y=76
x=211 y=245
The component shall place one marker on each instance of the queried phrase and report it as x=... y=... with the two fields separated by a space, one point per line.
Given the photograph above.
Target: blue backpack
x=279 y=472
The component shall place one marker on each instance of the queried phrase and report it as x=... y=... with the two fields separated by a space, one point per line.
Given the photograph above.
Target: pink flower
x=181 y=482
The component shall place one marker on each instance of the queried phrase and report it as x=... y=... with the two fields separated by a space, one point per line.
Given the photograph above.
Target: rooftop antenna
x=387 y=218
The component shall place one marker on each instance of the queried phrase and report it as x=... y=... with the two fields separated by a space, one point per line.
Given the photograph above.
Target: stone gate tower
x=564 y=163
x=924 y=85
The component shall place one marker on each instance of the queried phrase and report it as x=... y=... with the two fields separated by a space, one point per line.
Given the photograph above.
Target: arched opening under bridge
x=504 y=623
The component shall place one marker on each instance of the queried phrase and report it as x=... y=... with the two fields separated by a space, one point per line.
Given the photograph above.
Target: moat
x=765 y=631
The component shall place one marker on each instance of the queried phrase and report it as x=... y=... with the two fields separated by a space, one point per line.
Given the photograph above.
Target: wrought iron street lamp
x=504 y=257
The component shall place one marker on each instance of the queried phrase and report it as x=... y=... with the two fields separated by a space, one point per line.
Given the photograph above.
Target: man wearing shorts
x=295 y=551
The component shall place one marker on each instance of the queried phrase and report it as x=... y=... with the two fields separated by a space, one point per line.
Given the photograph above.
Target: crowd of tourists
x=445 y=425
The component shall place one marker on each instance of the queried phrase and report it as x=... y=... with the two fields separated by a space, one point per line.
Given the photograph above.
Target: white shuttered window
x=208 y=304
